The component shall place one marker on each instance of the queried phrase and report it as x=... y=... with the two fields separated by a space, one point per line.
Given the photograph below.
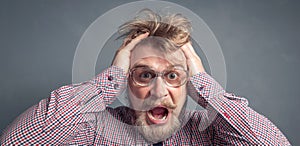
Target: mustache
x=149 y=104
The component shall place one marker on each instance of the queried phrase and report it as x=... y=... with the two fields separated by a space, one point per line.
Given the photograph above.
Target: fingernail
x=147 y=33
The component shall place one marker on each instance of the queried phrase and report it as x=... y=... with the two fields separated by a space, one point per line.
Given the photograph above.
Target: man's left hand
x=194 y=62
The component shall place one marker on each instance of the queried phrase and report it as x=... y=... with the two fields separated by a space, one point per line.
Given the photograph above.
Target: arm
x=67 y=115
x=235 y=123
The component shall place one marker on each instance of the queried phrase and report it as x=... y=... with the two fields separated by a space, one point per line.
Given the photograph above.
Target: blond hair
x=175 y=27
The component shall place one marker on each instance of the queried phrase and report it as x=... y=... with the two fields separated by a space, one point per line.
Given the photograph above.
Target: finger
x=188 y=50
x=139 y=38
x=126 y=41
x=190 y=46
x=129 y=43
x=134 y=41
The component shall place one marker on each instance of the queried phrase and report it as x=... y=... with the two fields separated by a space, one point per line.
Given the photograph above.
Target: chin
x=154 y=133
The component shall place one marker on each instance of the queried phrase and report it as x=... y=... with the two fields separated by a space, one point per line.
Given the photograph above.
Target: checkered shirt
x=78 y=114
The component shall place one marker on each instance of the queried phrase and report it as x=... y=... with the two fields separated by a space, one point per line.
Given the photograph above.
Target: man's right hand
x=122 y=56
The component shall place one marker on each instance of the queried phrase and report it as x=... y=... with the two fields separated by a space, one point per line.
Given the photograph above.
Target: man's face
x=157 y=105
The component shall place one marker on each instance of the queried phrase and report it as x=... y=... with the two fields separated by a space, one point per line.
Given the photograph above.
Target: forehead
x=154 y=57
x=155 y=63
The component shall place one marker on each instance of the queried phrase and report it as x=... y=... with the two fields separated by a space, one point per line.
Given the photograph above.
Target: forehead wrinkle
x=177 y=58
x=155 y=63
x=174 y=58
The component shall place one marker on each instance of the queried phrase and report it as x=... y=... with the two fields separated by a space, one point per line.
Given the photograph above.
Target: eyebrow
x=144 y=65
x=140 y=65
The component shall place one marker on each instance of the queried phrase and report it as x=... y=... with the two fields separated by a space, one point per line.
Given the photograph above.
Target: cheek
x=139 y=92
x=178 y=94
x=137 y=96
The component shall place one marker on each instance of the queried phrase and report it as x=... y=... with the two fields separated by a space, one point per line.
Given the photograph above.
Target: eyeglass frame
x=158 y=74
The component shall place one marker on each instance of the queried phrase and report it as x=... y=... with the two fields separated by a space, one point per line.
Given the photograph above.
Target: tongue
x=158 y=112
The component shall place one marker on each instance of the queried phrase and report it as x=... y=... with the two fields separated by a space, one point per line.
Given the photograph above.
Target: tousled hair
x=175 y=27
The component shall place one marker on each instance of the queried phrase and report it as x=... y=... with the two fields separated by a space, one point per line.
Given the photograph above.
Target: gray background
x=259 y=40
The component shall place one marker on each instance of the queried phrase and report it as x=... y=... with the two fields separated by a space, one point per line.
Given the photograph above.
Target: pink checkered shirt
x=79 y=114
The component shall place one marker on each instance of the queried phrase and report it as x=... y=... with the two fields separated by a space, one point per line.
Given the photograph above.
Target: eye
x=172 y=76
x=146 y=75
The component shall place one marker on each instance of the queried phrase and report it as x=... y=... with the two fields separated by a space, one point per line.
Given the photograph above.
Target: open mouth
x=158 y=115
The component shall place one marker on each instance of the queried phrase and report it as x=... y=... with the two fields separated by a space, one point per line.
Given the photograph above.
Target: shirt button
x=110 y=78
x=116 y=86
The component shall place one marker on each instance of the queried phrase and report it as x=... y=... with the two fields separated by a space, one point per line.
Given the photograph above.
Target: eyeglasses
x=173 y=77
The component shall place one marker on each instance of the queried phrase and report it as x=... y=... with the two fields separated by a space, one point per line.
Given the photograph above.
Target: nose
x=159 y=88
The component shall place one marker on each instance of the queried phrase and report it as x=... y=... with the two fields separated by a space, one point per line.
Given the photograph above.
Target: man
x=160 y=68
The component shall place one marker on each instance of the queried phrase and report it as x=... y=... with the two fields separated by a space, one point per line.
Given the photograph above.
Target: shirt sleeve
x=67 y=116
x=235 y=122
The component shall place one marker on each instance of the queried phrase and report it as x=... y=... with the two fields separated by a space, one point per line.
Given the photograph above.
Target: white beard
x=154 y=133
x=157 y=133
